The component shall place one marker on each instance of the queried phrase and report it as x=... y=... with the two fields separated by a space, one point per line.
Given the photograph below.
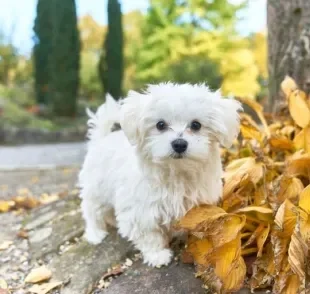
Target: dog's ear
x=229 y=120
x=131 y=113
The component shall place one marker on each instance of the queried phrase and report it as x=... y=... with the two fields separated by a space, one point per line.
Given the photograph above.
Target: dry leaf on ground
x=44 y=288
x=39 y=274
x=288 y=86
x=3 y=284
x=5 y=245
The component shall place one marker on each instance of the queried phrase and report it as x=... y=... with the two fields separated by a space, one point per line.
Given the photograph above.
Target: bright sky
x=17 y=16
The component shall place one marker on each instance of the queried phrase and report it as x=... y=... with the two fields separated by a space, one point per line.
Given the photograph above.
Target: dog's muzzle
x=179 y=145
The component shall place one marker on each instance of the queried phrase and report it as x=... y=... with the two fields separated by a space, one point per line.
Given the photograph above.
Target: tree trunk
x=289 y=46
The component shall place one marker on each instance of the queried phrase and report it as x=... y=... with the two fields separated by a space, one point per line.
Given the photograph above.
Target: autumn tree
x=92 y=35
x=8 y=61
x=177 y=46
x=132 y=23
x=288 y=45
x=111 y=61
x=64 y=58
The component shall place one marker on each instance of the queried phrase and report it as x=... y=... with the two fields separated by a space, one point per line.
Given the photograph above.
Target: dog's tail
x=105 y=120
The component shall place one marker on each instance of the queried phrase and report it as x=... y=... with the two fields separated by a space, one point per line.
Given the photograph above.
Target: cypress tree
x=41 y=51
x=111 y=61
x=65 y=58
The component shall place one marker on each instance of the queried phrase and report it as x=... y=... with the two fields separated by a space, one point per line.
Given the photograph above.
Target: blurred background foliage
x=183 y=41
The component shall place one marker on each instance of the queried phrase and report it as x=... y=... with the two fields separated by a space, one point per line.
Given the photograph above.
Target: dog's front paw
x=95 y=236
x=158 y=258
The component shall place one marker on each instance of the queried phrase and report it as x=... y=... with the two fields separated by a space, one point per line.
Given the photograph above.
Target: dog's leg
x=154 y=246
x=152 y=242
x=96 y=229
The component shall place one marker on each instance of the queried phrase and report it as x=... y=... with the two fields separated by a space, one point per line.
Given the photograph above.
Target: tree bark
x=288 y=24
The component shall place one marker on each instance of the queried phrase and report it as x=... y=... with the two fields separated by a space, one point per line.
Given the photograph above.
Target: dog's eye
x=161 y=125
x=195 y=125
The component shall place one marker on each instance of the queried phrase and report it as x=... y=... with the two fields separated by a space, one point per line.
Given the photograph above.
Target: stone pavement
x=37 y=182
x=54 y=238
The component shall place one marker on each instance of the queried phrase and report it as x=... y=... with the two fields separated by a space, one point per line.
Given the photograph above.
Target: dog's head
x=170 y=121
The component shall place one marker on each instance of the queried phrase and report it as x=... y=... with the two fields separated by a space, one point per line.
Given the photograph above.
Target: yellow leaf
x=3 y=284
x=27 y=202
x=302 y=140
x=258 y=108
x=199 y=214
x=304 y=199
x=235 y=182
x=5 y=205
x=250 y=132
x=287 y=131
x=259 y=209
x=260 y=196
x=234 y=281
x=299 y=166
x=252 y=235
x=290 y=188
x=230 y=204
x=307 y=139
x=261 y=239
x=234 y=165
x=5 y=245
x=46 y=198
x=248 y=171
x=305 y=227
x=292 y=285
x=44 y=288
x=39 y=274
x=299 y=139
x=258 y=214
x=285 y=218
x=199 y=249
x=219 y=228
x=225 y=229
x=288 y=86
x=225 y=257
x=223 y=263
x=281 y=143
x=274 y=127
x=299 y=109
x=297 y=254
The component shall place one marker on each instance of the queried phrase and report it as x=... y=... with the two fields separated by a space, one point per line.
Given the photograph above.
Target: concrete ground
x=41 y=156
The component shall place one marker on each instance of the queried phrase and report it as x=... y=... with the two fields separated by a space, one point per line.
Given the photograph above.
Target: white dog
x=164 y=161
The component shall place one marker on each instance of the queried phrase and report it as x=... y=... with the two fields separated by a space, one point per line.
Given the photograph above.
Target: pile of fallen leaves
x=259 y=236
x=26 y=201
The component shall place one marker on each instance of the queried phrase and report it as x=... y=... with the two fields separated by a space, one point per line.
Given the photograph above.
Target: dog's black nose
x=179 y=145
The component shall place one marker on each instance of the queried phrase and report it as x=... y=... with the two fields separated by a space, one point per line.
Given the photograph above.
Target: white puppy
x=164 y=161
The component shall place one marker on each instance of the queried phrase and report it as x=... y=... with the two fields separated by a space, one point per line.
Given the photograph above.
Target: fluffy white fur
x=131 y=179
